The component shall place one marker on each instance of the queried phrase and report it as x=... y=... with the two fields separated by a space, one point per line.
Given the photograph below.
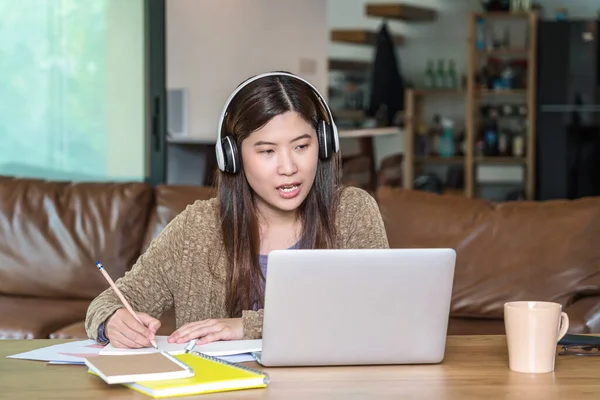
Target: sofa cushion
x=51 y=233
x=507 y=251
x=170 y=200
x=77 y=329
x=36 y=317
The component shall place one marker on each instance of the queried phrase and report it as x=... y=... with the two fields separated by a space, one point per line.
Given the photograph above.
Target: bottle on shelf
x=460 y=142
x=446 y=140
x=562 y=14
x=440 y=75
x=490 y=139
x=479 y=146
x=520 y=5
x=451 y=76
x=429 y=76
x=503 y=143
x=508 y=110
x=435 y=132
x=480 y=34
x=506 y=78
x=518 y=143
x=422 y=142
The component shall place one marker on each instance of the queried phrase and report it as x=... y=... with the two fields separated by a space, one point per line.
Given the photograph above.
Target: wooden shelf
x=439 y=92
x=438 y=160
x=473 y=95
x=527 y=95
x=369 y=132
x=501 y=92
x=401 y=12
x=338 y=64
x=360 y=36
x=503 y=15
x=503 y=53
x=499 y=160
x=500 y=183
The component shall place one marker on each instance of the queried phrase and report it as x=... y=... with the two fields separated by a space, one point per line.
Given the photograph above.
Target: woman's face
x=280 y=162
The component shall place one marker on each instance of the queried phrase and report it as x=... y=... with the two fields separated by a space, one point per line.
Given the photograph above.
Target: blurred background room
x=495 y=99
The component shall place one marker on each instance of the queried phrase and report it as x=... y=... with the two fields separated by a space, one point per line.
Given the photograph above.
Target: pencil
x=190 y=346
x=121 y=297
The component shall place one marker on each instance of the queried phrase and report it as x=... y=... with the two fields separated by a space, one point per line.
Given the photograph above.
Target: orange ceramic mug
x=533 y=329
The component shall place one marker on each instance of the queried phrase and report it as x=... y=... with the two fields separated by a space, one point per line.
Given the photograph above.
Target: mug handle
x=564 y=325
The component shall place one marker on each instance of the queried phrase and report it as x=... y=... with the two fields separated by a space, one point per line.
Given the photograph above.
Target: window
x=72 y=97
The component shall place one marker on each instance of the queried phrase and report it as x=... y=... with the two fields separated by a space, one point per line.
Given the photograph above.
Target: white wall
x=213 y=45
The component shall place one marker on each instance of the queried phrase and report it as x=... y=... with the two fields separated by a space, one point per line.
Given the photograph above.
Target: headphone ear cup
x=324 y=138
x=230 y=155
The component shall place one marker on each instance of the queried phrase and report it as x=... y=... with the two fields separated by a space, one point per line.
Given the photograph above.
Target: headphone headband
x=254 y=78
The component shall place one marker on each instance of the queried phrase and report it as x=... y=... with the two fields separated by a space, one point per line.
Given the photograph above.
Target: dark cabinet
x=568 y=110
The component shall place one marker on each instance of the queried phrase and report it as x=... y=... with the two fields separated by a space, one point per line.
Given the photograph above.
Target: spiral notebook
x=211 y=375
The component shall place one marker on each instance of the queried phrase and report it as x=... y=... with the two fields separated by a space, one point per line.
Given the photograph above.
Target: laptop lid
x=356 y=307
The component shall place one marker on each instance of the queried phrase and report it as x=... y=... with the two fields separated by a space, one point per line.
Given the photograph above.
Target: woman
x=278 y=188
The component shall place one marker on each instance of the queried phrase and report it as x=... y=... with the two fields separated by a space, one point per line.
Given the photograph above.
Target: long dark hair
x=252 y=108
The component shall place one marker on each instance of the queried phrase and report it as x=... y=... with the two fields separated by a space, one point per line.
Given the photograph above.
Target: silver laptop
x=356 y=307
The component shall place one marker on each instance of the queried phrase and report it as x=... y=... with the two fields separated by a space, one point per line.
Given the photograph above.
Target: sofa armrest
x=584 y=315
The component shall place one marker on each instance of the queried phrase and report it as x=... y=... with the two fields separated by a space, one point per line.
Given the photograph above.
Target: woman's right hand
x=124 y=331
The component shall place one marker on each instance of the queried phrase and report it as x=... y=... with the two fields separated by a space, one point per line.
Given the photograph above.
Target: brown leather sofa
x=508 y=251
x=51 y=233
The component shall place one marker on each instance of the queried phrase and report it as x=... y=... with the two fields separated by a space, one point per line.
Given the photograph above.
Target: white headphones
x=226 y=148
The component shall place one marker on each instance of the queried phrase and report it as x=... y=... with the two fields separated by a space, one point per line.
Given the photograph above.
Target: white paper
x=230 y=347
x=75 y=353
x=64 y=353
x=216 y=349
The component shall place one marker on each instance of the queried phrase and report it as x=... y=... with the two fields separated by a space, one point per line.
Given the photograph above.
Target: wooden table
x=475 y=367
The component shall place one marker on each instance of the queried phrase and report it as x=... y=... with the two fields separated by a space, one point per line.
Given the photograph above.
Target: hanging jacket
x=387 y=85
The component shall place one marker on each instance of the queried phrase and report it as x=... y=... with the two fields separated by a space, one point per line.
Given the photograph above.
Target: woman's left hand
x=209 y=330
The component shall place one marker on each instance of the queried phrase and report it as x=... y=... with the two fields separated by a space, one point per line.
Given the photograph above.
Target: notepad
x=211 y=375
x=138 y=367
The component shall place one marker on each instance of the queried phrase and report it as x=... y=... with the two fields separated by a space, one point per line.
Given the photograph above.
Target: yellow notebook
x=211 y=375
